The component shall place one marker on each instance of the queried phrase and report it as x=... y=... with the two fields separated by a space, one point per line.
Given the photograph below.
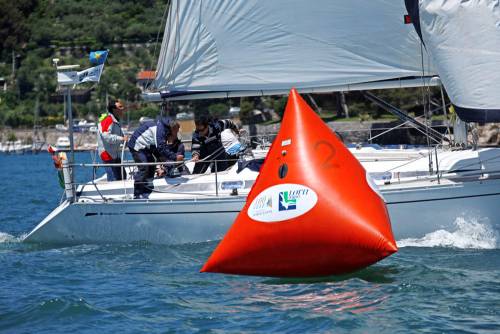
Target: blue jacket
x=152 y=136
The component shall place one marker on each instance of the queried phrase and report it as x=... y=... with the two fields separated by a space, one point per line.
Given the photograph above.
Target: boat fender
x=57 y=159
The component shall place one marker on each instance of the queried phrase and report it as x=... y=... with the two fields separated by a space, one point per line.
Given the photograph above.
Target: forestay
x=266 y=47
x=463 y=38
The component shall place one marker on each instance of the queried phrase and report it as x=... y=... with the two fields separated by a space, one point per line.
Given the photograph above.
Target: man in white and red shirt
x=110 y=138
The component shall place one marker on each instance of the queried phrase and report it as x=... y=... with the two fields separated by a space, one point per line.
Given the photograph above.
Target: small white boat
x=15 y=147
x=63 y=143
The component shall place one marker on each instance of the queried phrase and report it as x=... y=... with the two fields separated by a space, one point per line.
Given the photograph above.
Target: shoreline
x=353 y=132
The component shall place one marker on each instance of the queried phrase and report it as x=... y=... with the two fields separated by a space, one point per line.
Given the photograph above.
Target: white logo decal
x=282 y=202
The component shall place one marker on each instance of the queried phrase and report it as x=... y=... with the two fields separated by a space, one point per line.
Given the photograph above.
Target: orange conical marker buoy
x=311 y=211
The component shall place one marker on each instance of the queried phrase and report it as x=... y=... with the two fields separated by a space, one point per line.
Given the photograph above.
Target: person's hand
x=180 y=157
x=196 y=157
x=125 y=138
x=160 y=171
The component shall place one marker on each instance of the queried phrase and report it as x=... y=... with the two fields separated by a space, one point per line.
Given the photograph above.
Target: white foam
x=5 y=237
x=472 y=233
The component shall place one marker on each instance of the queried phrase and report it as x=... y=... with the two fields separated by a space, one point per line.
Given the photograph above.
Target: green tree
x=279 y=104
x=246 y=111
x=218 y=110
x=14 y=28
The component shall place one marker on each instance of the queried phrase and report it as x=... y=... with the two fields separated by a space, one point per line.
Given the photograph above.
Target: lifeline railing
x=70 y=186
x=469 y=170
x=264 y=140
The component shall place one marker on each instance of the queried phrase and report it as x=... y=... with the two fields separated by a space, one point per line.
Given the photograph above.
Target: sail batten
x=259 y=45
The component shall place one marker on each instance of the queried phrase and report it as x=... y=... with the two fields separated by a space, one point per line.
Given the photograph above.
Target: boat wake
x=469 y=234
x=7 y=238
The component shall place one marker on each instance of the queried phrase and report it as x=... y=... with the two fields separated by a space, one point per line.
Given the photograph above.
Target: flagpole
x=66 y=78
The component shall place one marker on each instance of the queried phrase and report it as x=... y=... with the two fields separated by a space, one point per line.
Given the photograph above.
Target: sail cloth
x=463 y=39
x=266 y=47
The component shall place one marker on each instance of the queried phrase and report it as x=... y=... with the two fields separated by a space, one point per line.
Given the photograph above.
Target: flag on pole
x=90 y=74
x=98 y=57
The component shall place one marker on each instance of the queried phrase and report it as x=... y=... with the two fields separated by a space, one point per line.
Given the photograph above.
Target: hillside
x=33 y=32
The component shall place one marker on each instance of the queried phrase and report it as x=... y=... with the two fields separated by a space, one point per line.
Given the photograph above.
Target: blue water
x=144 y=288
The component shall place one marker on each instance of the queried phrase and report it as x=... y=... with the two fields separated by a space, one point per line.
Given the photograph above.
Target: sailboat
x=222 y=49
x=253 y=48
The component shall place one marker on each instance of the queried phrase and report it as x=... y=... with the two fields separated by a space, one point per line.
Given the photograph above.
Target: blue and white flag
x=98 y=57
x=90 y=74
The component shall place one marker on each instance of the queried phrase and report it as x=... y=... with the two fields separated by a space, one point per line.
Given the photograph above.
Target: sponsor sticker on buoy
x=282 y=202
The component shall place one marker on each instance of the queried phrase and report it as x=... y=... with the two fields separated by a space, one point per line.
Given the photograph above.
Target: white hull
x=421 y=210
x=159 y=222
x=414 y=212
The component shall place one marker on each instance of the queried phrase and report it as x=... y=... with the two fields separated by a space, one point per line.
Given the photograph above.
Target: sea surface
x=446 y=282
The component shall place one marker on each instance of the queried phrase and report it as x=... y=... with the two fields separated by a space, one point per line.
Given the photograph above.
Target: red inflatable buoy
x=311 y=212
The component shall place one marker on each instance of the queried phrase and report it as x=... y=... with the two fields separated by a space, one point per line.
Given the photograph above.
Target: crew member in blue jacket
x=175 y=145
x=149 y=144
x=206 y=143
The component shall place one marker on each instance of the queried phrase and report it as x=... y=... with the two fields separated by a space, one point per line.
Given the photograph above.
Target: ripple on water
x=54 y=309
x=431 y=285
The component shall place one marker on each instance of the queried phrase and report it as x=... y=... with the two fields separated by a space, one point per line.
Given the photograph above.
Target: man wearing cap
x=207 y=144
x=109 y=139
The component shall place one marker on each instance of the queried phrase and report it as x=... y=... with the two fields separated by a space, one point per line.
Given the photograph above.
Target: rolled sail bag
x=230 y=142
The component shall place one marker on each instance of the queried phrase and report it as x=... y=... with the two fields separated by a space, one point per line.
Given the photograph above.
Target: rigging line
x=425 y=106
x=402 y=126
x=434 y=135
x=387 y=131
x=443 y=101
x=402 y=165
x=122 y=169
x=163 y=19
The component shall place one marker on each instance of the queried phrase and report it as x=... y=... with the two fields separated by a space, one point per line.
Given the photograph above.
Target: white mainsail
x=254 y=47
x=463 y=39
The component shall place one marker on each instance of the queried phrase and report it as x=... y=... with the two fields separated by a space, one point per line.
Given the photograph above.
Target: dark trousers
x=115 y=173
x=143 y=179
